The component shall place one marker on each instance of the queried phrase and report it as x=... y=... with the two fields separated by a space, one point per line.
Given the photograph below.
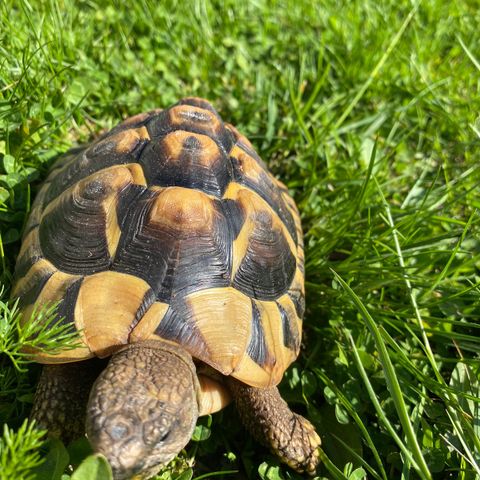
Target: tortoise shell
x=169 y=226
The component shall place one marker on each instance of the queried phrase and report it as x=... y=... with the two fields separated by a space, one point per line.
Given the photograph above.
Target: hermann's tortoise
x=171 y=248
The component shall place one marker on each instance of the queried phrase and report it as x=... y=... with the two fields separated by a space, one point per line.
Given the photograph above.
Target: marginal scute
x=296 y=292
x=55 y=290
x=291 y=323
x=204 y=120
x=197 y=102
x=136 y=121
x=222 y=317
x=62 y=163
x=244 y=144
x=30 y=253
x=106 y=309
x=35 y=215
x=31 y=283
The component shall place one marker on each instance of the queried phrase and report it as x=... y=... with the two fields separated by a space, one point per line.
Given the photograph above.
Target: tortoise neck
x=164 y=346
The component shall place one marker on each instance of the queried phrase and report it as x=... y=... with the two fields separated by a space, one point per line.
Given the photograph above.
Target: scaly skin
x=143 y=408
x=269 y=419
x=61 y=398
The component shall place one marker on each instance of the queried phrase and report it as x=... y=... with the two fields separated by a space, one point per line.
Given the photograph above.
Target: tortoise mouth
x=141 y=471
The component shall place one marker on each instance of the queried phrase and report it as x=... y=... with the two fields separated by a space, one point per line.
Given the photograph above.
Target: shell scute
x=187 y=159
x=176 y=245
x=173 y=225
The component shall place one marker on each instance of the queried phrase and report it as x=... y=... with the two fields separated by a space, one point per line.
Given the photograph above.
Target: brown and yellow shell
x=169 y=226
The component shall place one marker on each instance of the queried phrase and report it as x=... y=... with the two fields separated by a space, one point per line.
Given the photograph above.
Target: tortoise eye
x=119 y=430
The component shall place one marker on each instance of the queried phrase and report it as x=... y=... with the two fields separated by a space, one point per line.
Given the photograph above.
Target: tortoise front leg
x=61 y=398
x=269 y=419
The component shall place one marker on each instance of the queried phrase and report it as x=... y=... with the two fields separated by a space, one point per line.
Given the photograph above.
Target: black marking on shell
x=268 y=267
x=72 y=235
x=234 y=215
x=298 y=301
x=252 y=153
x=30 y=228
x=266 y=188
x=147 y=302
x=257 y=346
x=197 y=102
x=242 y=143
x=89 y=160
x=178 y=326
x=290 y=333
x=136 y=121
x=301 y=261
x=37 y=284
x=186 y=169
x=66 y=308
x=126 y=200
x=172 y=259
x=25 y=262
x=159 y=125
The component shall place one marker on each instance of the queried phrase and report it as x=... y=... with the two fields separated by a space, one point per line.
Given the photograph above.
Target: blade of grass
x=452 y=257
x=393 y=43
x=450 y=398
x=348 y=406
x=392 y=382
x=380 y=412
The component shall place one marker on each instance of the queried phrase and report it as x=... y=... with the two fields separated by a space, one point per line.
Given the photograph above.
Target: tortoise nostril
x=155 y=433
x=164 y=436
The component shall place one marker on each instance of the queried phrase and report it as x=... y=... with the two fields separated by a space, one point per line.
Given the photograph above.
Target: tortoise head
x=143 y=408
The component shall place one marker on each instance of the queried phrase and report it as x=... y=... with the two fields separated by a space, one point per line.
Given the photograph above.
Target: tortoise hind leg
x=269 y=419
x=61 y=398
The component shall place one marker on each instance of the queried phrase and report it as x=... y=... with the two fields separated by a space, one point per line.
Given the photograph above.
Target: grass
x=369 y=111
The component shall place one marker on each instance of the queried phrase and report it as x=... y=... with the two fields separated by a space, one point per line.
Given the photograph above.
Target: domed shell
x=169 y=226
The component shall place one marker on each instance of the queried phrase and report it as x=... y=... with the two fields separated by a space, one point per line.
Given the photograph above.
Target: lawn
x=370 y=113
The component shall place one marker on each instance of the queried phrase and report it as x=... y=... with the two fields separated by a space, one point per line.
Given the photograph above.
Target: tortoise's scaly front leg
x=61 y=398
x=269 y=419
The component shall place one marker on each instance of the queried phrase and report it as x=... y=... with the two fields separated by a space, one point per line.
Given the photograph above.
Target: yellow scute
x=106 y=307
x=223 y=317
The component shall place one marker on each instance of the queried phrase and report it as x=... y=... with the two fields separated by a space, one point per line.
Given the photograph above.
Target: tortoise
x=178 y=258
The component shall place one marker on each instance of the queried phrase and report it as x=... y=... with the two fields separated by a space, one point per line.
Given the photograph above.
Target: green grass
x=369 y=111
